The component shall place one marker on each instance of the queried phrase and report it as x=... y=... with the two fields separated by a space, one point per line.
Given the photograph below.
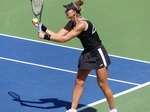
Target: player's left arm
x=81 y=26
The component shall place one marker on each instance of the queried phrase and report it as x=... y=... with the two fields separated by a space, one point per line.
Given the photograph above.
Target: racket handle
x=39 y=27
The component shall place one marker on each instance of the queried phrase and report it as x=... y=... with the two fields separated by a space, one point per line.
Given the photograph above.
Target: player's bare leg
x=78 y=88
x=102 y=75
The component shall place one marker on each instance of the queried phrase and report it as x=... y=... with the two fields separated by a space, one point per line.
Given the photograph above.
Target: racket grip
x=39 y=27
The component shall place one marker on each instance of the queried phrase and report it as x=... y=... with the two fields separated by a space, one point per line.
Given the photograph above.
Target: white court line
x=39 y=65
x=117 y=80
x=116 y=95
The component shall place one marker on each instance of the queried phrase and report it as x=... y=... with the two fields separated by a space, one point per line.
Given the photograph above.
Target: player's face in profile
x=69 y=13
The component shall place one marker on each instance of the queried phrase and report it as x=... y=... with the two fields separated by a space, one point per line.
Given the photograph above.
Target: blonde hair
x=78 y=4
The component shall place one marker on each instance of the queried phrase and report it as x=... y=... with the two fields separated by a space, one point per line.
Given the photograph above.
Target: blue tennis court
x=43 y=74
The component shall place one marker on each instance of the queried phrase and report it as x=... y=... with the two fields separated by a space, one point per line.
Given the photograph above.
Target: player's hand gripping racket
x=37 y=7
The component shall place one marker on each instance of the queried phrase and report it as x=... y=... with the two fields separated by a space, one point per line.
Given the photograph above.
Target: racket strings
x=37 y=6
x=36 y=3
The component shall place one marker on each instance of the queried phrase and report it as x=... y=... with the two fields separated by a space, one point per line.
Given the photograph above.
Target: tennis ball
x=35 y=21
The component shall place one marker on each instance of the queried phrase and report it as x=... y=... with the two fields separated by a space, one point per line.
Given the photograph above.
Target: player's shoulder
x=84 y=22
x=82 y=25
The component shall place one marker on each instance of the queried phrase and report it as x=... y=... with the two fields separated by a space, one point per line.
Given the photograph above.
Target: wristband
x=47 y=37
x=44 y=28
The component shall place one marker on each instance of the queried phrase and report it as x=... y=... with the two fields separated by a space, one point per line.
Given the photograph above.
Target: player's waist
x=88 y=48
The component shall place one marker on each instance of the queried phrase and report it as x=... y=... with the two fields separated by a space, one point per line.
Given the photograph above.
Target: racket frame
x=38 y=15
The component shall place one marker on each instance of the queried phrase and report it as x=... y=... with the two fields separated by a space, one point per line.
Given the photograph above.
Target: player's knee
x=79 y=82
x=103 y=86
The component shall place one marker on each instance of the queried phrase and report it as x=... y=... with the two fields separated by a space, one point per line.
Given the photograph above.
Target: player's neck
x=75 y=19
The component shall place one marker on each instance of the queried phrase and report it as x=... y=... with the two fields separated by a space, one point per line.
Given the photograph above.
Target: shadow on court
x=56 y=103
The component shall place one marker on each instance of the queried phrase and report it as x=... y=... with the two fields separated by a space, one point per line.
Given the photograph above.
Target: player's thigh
x=82 y=74
x=102 y=75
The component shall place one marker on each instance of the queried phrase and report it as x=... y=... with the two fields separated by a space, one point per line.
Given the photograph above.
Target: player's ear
x=74 y=12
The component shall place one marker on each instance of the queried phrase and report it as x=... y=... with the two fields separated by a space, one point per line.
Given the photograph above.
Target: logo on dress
x=93 y=29
x=101 y=64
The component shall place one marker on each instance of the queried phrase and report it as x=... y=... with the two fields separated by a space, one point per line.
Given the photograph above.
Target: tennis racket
x=14 y=95
x=37 y=7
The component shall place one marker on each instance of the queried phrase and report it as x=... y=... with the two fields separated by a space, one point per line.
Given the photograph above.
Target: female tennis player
x=94 y=55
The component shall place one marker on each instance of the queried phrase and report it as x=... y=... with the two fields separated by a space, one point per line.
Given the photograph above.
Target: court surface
x=43 y=74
